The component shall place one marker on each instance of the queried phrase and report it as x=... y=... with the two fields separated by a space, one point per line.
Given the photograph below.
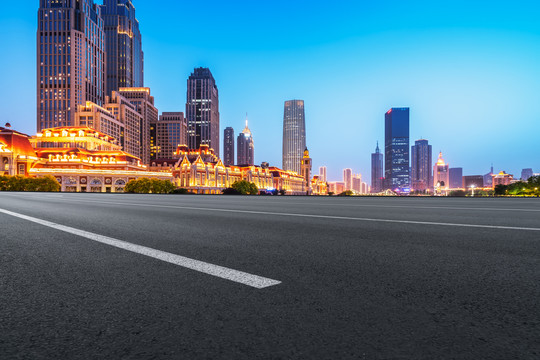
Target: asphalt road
x=305 y=277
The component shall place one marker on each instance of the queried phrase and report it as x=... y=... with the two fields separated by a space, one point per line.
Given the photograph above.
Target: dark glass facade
x=456 y=178
x=294 y=134
x=228 y=146
x=421 y=158
x=396 y=149
x=202 y=110
x=377 y=175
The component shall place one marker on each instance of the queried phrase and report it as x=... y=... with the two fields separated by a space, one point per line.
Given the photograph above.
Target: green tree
x=149 y=186
x=245 y=187
x=346 y=193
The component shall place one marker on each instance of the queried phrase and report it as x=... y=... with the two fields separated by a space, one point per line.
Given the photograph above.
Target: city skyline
x=475 y=99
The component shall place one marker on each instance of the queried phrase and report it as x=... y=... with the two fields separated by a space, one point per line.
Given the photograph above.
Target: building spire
x=377 y=149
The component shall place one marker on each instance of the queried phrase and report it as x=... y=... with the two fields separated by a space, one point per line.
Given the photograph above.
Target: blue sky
x=469 y=71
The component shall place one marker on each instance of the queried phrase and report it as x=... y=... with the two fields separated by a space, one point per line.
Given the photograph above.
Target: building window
x=22 y=169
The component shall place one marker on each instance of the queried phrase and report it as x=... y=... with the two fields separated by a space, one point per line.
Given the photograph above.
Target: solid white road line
x=312 y=215
x=241 y=277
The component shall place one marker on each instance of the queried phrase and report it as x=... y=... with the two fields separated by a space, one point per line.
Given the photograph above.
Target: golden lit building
x=502 y=178
x=441 y=176
x=318 y=187
x=16 y=153
x=289 y=181
x=305 y=170
x=85 y=160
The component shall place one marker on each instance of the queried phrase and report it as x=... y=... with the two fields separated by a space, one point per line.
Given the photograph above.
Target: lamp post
x=472 y=190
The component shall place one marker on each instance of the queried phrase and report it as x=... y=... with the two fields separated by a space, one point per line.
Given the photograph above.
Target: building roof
x=16 y=142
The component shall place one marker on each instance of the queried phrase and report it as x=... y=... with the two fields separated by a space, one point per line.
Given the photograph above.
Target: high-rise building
x=124 y=56
x=202 y=110
x=322 y=174
x=228 y=146
x=455 y=178
x=488 y=178
x=144 y=103
x=421 y=177
x=167 y=134
x=245 y=147
x=441 y=176
x=357 y=183
x=97 y=118
x=70 y=60
x=294 y=134
x=377 y=170
x=347 y=178
x=126 y=113
x=306 y=168
x=396 y=149
x=526 y=174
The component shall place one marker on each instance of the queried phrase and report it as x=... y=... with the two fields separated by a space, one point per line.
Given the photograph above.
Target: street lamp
x=472 y=190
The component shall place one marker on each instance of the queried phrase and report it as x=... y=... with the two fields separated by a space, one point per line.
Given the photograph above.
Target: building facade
x=441 y=176
x=322 y=174
x=396 y=149
x=100 y=119
x=166 y=134
x=228 y=146
x=202 y=110
x=306 y=168
x=347 y=178
x=17 y=156
x=144 y=103
x=502 y=178
x=526 y=174
x=124 y=56
x=455 y=176
x=377 y=171
x=70 y=60
x=245 y=147
x=357 y=184
x=476 y=181
x=421 y=175
x=126 y=113
x=294 y=134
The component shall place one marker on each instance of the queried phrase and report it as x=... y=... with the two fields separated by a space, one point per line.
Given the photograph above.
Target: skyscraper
x=526 y=174
x=245 y=147
x=347 y=178
x=357 y=183
x=167 y=134
x=202 y=110
x=377 y=171
x=455 y=177
x=322 y=174
x=396 y=149
x=124 y=56
x=228 y=146
x=441 y=176
x=421 y=177
x=294 y=134
x=70 y=60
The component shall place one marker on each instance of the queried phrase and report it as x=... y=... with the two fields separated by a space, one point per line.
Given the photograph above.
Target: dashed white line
x=241 y=277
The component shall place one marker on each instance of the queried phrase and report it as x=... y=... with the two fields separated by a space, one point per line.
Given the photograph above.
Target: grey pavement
x=360 y=278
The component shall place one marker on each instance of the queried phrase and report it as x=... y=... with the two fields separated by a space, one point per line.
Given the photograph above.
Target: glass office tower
x=421 y=158
x=396 y=149
x=377 y=171
x=294 y=134
x=228 y=146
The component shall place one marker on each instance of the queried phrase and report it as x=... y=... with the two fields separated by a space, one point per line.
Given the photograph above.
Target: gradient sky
x=469 y=71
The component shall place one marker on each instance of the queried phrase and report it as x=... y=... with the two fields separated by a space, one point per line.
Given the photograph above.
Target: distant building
x=488 y=178
x=17 y=156
x=456 y=178
x=305 y=168
x=322 y=174
x=377 y=172
x=202 y=110
x=526 y=174
x=245 y=147
x=396 y=149
x=228 y=146
x=347 y=178
x=128 y=115
x=502 y=178
x=441 y=176
x=336 y=187
x=294 y=134
x=421 y=174
x=357 y=183
x=365 y=188
x=97 y=118
x=476 y=181
x=167 y=134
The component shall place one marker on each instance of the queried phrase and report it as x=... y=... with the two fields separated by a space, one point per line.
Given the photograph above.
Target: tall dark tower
x=294 y=134
x=228 y=146
x=124 y=55
x=396 y=149
x=377 y=171
x=421 y=157
x=70 y=60
x=246 y=147
x=202 y=110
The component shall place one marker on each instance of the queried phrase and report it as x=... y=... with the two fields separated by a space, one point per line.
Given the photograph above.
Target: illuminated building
x=126 y=113
x=365 y=188
x=476 y=181
x=124 y=56
x=421 y=176
x=201 y=171
x=228 y=146
x=202 y=110
x=70 y=60
x=95 y=117
x=294 y=134
x=322 y=174
x=305 y=169
x=502 y=178
x=167 y=134
x=245 y=147
x=455 y=176
x=318 y=186
x=441 y=178
x=347 y=179
x=526 y=174
x=16 y=154
x=336 y=187
x=289 y=181
x=144 y=103
x=85 y=160
x=377 y=176
x=396 y=149
x=357 y=184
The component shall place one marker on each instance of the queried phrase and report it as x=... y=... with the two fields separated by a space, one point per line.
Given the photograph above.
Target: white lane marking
x=313 y=215
x=241 y=277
